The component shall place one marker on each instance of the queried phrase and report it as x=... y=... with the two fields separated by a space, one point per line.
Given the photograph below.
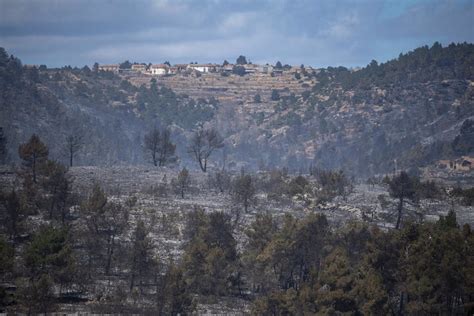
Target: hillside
x=401 y=114
x=233 y=89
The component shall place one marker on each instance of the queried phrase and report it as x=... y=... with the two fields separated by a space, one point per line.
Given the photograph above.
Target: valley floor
x=148 y=193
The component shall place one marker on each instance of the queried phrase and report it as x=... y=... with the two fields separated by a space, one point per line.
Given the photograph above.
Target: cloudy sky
x=310 y=32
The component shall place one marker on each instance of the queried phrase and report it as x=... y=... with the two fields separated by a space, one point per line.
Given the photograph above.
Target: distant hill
x=407 y=112
x=109 y=112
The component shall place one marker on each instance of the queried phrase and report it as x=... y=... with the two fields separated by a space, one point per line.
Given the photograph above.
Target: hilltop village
x=239 y=83
x=240 y=68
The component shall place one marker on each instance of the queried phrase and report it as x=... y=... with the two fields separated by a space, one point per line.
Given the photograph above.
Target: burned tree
x=13 y=215
x=221 y=181
x=203 y=143
x=141 y=255
x=182 y=182
x=73 y=145
x=3 y=147
x=402 y=187
x=33 y=153
x=58 y=184
x=158 y=144
x=105 y=223
x=244 y=191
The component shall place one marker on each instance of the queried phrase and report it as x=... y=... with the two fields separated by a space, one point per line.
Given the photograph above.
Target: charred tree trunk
x=400 y=211
x=110 y=253
x=34 y=168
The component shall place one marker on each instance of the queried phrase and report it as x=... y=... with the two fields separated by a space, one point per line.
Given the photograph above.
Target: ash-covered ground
x=149 y=194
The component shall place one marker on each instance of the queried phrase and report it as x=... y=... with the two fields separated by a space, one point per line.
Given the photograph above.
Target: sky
x=311 y=32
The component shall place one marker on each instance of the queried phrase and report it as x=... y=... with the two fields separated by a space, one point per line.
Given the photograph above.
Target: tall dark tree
x=203 y=143
x=402 y=187
x=141 y=257
x=159 y=146
x=238 y=70
x=6 y=257
x=33 y=153
x=175 y=299
x=338 y=278
x=13 y=214
x=3 y=147
x=257 y=98
x=210 y=256
x=73 y=144
x=275 y=95
x=50 y=253
x=57 y=183
x=92 y=208
x=114 y=223
x=105 y=223
x=259 y=234
x=241 y=60
x=125 y=65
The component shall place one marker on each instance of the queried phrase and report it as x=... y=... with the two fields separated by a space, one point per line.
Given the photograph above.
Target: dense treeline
x=361 y=270
x=420 y=65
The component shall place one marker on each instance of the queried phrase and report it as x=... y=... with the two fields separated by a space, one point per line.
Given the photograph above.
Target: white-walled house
x=266 y=69
x=201 y=67
x=112 y=67
x=159 y=69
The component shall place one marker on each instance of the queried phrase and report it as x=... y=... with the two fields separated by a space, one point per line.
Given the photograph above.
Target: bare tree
x=182 y=182
x=158 y=144
x=221 y=181
x=203 y=144
x=244 y=191
x=74 y=143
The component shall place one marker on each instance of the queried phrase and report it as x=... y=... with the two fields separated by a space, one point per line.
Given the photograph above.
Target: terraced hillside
x=231 y=89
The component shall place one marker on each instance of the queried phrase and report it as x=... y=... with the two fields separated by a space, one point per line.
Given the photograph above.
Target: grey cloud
x=313 y=32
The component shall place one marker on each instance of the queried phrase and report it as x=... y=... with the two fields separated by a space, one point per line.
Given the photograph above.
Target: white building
x=201 y=67
x=159 y=69
x=266 y=69
x=113 y=67
x=227 y=68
